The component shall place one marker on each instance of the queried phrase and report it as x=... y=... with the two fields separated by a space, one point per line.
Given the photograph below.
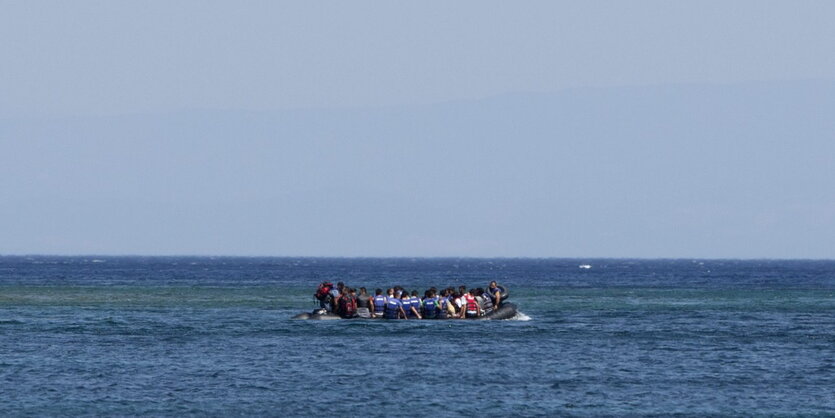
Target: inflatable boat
x=505 y=311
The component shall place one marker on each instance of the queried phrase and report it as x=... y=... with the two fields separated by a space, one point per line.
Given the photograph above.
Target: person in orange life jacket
x=495 y=293
x=364 y=304
x=379 y=302
x=408 y=308
x=470 y=307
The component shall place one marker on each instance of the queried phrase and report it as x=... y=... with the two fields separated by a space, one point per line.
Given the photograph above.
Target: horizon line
x=403 y=257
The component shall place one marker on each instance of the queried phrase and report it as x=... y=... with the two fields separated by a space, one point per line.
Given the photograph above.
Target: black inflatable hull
x=507 y=311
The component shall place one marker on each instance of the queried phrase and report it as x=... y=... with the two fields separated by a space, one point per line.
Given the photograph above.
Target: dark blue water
x=173 y=336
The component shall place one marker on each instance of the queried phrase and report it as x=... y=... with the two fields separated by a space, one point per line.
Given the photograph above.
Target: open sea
x=169 y=336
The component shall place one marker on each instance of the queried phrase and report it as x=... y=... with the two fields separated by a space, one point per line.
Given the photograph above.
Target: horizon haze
x=476 y=129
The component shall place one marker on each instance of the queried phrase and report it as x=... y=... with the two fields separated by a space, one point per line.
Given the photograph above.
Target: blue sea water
x=213 y=336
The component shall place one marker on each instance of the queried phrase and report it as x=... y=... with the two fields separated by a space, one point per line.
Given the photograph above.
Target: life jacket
x=430 y=308
x=487 y=304
x=347 y=306
x=493 y=292
x=407 y=307
x=442 y=311
x=380 y=304
x=392 y=308
x=323 y=291
x=471 y=305
x=415 y=301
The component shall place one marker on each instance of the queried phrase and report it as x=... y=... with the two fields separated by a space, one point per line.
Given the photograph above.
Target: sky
x=471 y=128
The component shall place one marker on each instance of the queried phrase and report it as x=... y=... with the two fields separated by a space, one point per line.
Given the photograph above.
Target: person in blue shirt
x=444 y=304
x=415 y=300
x=495 y=293
x=394 y=309
x=379 y=304
x=408 y=307
x=430 y=305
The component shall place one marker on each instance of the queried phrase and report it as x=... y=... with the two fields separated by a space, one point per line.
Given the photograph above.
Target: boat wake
x=520 y=317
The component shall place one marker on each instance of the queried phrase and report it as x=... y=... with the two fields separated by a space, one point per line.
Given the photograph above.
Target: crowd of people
x=398 y=303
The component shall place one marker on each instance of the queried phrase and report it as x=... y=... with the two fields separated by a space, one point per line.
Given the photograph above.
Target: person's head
x=390 y=291
x=414 y=293
x=405 y=295
x=398 y=293
x=479 y=291
x=378 y=292
x=352 y=292
x=340 y=286
x=471 y=292
x=363 y=291
x=493 y=284
x=462 y=289
x=431 y=293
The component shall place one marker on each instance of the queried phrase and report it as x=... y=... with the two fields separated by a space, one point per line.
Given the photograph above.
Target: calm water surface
x=212 y=336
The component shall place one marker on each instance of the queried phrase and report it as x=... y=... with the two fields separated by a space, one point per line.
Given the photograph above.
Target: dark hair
x=379 y=291
x=414 y=293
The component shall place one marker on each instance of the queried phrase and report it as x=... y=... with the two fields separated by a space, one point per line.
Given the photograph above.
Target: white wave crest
x=520 y=317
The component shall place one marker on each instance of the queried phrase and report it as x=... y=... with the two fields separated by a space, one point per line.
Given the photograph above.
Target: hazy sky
x=466 y=128
x=84 y=57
